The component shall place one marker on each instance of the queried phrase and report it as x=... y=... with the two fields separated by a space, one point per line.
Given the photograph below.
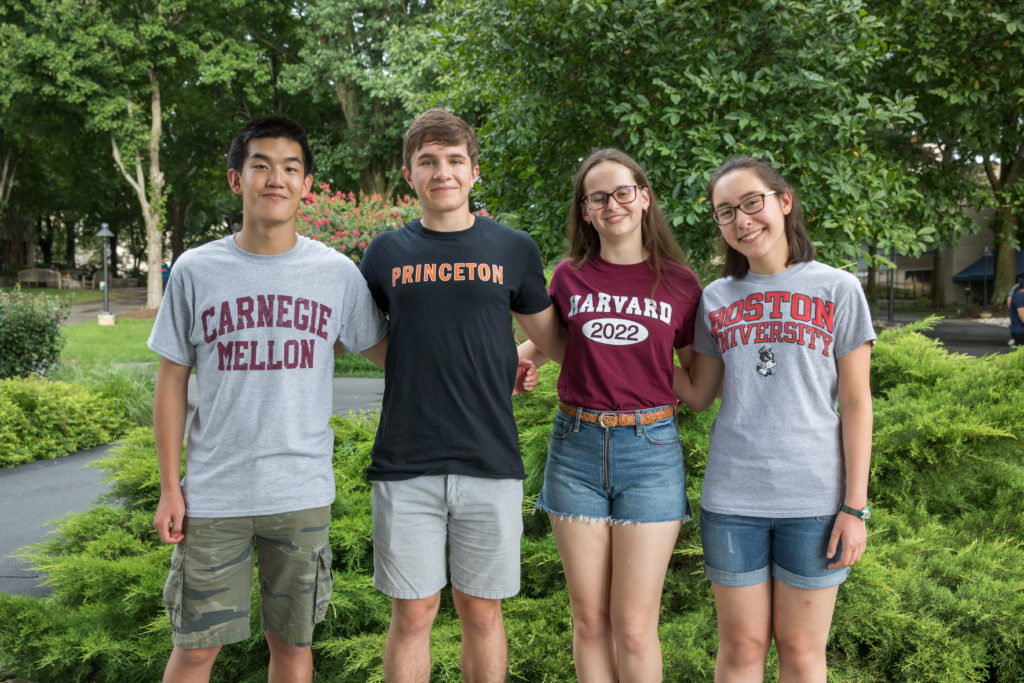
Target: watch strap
x=861 y=514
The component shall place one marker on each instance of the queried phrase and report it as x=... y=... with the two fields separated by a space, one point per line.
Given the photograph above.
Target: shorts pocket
x=324 y=585
x=174 y=589
x=662 y=432
x=562 y=426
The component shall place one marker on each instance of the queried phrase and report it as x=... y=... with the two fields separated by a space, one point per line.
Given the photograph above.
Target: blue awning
x=984 y=268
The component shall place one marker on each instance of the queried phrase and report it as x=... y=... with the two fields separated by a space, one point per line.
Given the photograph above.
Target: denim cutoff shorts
x=615 y=474
x=745 y=551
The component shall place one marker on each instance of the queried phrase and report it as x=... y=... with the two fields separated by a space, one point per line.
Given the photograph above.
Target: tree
x=127 y=64
x=683 y=85
x=962 y=62
x=350 y=56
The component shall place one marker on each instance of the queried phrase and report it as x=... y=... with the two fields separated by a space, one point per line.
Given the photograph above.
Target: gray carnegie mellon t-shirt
x=776 y=449
x=260 y=331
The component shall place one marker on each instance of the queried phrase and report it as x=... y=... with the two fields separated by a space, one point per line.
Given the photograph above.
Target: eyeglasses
x=749 y=206
x=623 y=195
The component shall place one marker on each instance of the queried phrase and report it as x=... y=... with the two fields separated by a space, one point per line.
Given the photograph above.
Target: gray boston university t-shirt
x=260 y=331
x=776 y=449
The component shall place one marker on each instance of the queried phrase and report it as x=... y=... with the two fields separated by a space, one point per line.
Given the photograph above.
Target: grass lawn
x=90 y=344
x=355 y=365
x=70 y=295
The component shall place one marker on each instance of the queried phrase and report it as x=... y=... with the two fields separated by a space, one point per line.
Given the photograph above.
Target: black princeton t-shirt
x=451 y=361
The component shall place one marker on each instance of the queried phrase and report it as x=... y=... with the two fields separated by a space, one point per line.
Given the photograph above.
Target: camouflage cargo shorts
x=209 y=586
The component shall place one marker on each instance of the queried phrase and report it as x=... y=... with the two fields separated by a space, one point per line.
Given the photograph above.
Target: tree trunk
x=939 y=266
x=1005 y=272
x=44 y=229
x=69 y=241
x=150 y=195
x=872 y=275
x=1003 y=183
x=178 y=212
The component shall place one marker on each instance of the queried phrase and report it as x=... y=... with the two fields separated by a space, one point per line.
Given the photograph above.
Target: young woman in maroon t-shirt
x=614 y=485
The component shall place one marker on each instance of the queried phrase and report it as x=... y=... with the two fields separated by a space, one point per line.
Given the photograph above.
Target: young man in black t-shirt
x=446 y=466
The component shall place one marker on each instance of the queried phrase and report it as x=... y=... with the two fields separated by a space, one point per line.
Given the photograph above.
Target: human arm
x=855 y=414
x=377 y=353
x=170 y=407
x=699 y=386
x=546 y=331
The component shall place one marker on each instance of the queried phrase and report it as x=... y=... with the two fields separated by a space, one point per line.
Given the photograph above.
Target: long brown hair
x=800 y=246
x=657 y=239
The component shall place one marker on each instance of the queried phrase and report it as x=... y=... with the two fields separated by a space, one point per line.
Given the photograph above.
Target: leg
x=289 y=663
x=640 y=556
x=407 y=650
x=484 y=647
x=802 y=618
x=485 y=526
x=585 y=549
x=190 y=665
x=410 y=519
x=744 y=631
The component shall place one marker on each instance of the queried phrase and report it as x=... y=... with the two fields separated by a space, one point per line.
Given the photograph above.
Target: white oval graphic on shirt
x=614 y=331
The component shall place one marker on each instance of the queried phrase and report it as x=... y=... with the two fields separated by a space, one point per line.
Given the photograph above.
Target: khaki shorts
x=209 y=586
x=480 y=521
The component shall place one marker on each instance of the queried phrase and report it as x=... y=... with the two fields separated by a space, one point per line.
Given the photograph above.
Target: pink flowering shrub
x=347 y=223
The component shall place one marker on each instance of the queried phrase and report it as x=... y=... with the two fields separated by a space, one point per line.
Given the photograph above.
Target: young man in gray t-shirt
x=258 y=315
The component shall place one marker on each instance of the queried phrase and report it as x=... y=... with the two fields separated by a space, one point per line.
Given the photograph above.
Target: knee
x=414 y=616
x=742 y=649
x=283 y=650
x=634 y=632
x=799 y=653
x=591 y=622
x=479 y=615
x=197 y=657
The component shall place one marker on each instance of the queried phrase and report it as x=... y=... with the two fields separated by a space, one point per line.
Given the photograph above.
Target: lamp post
x=985 y=253
x=105 y=318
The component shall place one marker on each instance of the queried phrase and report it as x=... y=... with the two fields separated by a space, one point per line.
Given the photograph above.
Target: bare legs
x=749 y=615
x=484 y=647
x=615 y=575
x=288 y=663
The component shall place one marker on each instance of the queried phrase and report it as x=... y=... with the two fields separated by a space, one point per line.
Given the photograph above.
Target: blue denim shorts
x=615 y=474
x=744 y=551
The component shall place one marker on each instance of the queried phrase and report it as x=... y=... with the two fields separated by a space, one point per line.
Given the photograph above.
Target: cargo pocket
x=174 y=589
x=324 y=585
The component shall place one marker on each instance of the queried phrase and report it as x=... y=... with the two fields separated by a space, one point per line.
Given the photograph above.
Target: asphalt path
x=33 y=496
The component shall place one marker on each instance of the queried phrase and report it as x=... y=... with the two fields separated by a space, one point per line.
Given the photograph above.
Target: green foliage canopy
x=682 y=86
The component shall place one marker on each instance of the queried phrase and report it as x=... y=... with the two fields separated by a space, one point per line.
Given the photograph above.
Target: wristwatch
x=864 y=514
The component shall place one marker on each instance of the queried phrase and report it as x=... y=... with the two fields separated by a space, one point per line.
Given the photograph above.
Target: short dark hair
x=800 y=246
x=269 y=127
x=442 y=127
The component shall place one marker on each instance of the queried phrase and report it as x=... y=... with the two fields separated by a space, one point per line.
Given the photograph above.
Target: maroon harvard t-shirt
x=621 y=335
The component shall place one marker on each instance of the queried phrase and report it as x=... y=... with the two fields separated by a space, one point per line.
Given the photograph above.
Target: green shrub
x=44 y=419
x=30 y=339
x=937 y=596
x=131 y=388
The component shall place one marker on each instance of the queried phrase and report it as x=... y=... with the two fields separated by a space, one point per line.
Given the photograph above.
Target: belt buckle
x=613 y=416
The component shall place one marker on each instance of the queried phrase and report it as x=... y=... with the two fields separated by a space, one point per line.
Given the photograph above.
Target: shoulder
x=218 y=248
x=495 y=230
x=721 y=286
x=681 y=274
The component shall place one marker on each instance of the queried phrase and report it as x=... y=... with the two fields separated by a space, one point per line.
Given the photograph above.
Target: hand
x=526 y=377
x=169 y=517
x=852 y=531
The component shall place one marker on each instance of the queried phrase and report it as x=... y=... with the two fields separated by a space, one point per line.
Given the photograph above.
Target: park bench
x=40 y=277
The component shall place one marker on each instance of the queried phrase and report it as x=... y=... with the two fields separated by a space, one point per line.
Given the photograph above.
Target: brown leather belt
x=613 y=419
